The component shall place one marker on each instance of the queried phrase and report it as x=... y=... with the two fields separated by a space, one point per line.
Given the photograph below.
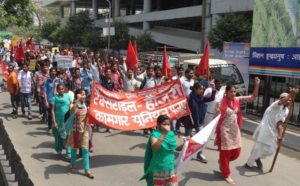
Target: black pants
x=49 y=116
x=14 y=99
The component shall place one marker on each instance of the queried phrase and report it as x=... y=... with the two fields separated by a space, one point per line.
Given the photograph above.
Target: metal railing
x=277 y=86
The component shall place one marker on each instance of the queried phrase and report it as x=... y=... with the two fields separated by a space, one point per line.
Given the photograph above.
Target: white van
x=223 y=70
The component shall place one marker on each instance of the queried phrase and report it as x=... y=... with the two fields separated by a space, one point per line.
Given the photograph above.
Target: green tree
x=231 y=28
x=120 y=39
x=47 y=29
x=72 y=32
x=93 y=39
x=16 y=12
x=145 y=42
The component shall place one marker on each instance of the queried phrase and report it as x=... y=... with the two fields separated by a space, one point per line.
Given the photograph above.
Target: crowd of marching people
x=63 y=95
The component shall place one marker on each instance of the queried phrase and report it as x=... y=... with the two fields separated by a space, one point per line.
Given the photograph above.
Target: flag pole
x=285 y=124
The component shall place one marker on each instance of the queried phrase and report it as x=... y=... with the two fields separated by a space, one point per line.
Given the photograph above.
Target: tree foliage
x=145 y=42
x=121 y=37
x=231 y=28
x=15 y=12
x=47 y=29
x=93 y=39
x=72 y=33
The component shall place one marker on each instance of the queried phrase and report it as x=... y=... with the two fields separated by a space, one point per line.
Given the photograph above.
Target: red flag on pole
x=20 y=53
x=12 y=48
x=30 y=44
x=166 y=69
x=202 y=69
x=135 y=50
x=131 y=58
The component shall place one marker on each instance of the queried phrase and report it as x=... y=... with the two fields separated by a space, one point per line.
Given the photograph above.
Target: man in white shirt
x=188 y=82
x=211 y=106
x=130 y=83
x=270 y=130
x=179 y=75
x=25 y=79
x=13 y=63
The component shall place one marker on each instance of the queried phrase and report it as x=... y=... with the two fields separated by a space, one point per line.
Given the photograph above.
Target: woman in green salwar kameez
x=159 y=162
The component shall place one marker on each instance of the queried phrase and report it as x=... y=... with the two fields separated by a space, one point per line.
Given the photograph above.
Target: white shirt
x=95 y=72
x=130 y=84
x=176 y=77
x=211 y=106
x=150 y=82
x=25 y=79
x=187 y=84
x=266 y=132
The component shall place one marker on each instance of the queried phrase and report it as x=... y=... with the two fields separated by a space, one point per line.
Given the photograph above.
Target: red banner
x=139 y=109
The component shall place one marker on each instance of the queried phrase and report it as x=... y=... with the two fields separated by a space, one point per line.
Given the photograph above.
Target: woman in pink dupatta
x=228 y=134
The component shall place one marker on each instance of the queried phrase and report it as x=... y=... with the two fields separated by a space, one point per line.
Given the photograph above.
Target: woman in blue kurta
x=61 y=105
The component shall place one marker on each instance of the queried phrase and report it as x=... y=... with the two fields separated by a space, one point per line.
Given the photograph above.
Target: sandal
x=90 y=175
x=229 y=180
x=74 y=169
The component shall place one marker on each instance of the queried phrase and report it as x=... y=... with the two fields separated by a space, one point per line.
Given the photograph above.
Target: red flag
x=166 y=69
x=4 y=70
x=131 y=59
x=202 y=69
x=20 y=54
x=135 y=50
x=30 y=44
x=12 y=48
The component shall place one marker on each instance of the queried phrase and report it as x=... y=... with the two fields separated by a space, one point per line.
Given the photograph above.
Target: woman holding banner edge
x=159 y=161
x=228 y=135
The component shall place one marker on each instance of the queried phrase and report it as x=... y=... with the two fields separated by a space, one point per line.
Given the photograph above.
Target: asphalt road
x=118 y=159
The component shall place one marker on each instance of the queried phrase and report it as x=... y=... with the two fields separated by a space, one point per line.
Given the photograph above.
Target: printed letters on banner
x=139 y=109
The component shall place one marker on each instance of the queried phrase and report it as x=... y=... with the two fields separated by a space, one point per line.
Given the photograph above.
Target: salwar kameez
x=228 y=134
x=79 y=138
x=159 y=165
x=61 y=105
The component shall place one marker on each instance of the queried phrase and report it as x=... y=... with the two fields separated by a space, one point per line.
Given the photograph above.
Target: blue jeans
x=26 y=101
x=42 y=107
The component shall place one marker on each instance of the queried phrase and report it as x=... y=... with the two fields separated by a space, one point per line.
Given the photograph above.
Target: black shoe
x=13 y=112
x=201 y=158
x=29 y=117
x=259 y=164
x=247 y=166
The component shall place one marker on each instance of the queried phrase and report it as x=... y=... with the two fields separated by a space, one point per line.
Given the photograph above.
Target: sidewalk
x=292 y=138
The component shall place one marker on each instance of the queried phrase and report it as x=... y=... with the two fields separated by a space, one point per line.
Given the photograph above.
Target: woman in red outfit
x=228 y=135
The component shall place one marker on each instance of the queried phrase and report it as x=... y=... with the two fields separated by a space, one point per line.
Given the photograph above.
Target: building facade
x=174 y=23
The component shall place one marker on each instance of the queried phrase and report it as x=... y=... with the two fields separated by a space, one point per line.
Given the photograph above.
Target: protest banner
x=64 y=61
x=197 y=143
x=54 y=49
x=136 y=110
x=32 y=64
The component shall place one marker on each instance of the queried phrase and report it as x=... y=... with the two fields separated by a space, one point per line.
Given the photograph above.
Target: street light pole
x=109 y=17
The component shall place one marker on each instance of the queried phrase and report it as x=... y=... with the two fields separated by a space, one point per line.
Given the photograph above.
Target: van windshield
x=227 y=73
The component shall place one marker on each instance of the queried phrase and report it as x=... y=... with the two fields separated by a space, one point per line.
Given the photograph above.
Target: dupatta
x=225 y=103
